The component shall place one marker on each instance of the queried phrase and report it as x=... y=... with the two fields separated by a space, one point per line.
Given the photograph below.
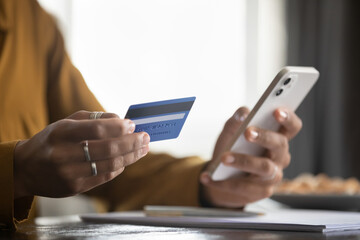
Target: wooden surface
x=71 y=227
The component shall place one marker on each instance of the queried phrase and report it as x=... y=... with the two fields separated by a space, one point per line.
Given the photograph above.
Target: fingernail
x=229 y=159
x=146 y=139
x=283 y=115
x=240 y=117
x=132 y=127
x=253 y=134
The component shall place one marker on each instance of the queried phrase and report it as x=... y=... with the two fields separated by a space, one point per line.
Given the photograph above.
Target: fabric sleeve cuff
x=11 y=210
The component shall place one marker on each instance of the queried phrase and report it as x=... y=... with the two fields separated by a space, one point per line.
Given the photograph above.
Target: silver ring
x=96 y=115
x=93 y=169
x=86 y=151
x=88 y=159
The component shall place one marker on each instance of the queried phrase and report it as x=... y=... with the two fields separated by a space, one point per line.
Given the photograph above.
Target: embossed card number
x=161 y=120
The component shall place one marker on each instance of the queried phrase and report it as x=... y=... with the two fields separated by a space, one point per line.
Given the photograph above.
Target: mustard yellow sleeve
x=11 y=210
x=156 y=179
x=66 y=94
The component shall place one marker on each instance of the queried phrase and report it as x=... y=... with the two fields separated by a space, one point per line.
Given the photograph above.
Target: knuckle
x=119 y=162
x=270 y=155
x=57 y=128
x=138 y=141
x=136 y=156
x=112 y=115
x=122 y=125
x=111 y=149
x=265 y=167
x=112 y=165
x=52 y=154
x=98 y=129
x=82 y=113
x=284 y=143
x=245 y=162
x=265 y=137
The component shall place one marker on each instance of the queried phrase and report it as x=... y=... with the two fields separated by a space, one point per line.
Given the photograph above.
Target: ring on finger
x=88 y=158
x=86 y=151
x=93 y=169
x=96 y=115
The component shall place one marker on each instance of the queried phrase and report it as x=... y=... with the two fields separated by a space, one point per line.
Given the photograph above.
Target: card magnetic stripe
x=158 y=110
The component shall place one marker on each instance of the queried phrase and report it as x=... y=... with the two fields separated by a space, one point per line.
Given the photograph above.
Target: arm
x=10 y=209
x=158 y=179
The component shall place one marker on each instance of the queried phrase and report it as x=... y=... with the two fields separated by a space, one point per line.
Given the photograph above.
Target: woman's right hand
x=53 y=164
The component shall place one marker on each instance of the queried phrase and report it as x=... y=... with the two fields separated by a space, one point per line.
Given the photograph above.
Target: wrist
x=18 y=173
x=203 y=195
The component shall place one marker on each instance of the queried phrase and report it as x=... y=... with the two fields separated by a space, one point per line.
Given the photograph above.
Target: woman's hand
x=53 y=162
x=262 y=172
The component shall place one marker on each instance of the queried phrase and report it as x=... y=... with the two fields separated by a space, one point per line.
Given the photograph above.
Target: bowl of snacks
x=319 y=192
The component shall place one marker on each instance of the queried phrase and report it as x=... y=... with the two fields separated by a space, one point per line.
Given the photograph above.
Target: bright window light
x=139 y=51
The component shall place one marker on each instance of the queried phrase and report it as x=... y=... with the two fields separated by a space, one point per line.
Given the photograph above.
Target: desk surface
x=72 y=228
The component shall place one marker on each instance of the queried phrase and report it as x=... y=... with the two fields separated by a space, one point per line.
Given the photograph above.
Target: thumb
x=230 y=128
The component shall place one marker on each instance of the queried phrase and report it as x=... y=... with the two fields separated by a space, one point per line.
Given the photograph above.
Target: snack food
x=320 y=184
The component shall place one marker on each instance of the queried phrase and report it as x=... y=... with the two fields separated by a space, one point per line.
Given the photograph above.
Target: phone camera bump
x=286 y=82
x=278 y=92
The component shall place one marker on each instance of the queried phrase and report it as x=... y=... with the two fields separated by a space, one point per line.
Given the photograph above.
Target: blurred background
x=224 y=52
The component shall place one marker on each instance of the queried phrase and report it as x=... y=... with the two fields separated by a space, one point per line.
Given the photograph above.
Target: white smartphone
x=288 y=89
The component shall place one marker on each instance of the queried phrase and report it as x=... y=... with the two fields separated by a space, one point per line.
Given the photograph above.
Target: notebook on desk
x=282 y=220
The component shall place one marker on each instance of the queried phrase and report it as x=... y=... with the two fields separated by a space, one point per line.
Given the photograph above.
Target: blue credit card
x=161 y=120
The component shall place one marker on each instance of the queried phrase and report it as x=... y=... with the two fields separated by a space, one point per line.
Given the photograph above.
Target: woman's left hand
x=263 y=172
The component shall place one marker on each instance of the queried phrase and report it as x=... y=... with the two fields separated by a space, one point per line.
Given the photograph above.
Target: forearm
x=157 y=179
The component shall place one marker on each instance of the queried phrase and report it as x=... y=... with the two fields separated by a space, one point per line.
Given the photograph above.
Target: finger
x=84 y=169
x=291 y=123
x=102 y=149
x=85 y=115
x=75 y=131
x=237 y=191
x=276 y=143
x=85 y=184
x=110 y=148
x=230 y=128
x=233 y=123
x=262 y=167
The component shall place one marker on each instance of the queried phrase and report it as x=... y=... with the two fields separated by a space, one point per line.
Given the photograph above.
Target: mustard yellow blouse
x=39 y=85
